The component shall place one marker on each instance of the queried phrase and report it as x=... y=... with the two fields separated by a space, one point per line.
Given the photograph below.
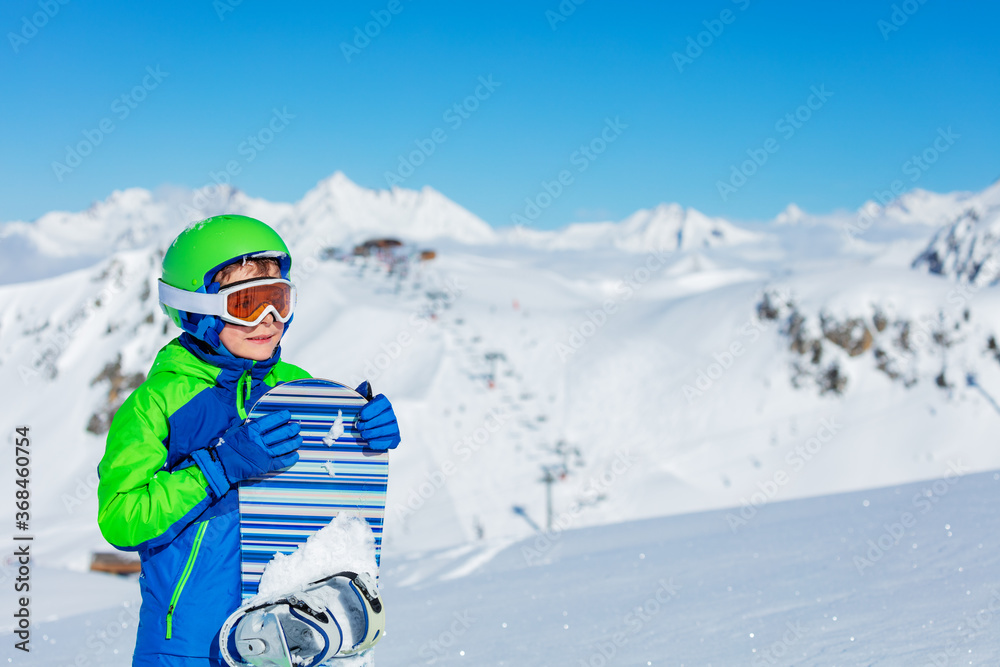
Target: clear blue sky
x=891 y=92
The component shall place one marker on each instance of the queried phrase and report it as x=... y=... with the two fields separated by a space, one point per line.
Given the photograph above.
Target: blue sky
x=267 y=88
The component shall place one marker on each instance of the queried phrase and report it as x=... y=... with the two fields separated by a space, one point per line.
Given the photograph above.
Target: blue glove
x=376 y=421
x=253 y=449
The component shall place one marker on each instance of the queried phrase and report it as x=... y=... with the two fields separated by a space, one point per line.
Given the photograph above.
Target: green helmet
x=198 y=253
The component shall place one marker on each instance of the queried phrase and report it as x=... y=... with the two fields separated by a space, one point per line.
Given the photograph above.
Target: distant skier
x=178 y=446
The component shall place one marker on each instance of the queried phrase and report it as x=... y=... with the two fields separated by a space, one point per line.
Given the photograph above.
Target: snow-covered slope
x=651 y=366
x=894 y=576
x=700 y=371
x=696 y=377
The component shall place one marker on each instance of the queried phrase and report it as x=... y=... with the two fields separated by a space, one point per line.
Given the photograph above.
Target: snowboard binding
x=335 y=617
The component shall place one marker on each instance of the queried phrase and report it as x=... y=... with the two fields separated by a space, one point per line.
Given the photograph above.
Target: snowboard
x=335 y=473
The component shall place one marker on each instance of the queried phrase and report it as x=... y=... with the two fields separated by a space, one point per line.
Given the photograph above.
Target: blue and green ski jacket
x=154 y=500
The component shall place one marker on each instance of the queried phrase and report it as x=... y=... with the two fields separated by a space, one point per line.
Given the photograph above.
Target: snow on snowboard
x=319 y=601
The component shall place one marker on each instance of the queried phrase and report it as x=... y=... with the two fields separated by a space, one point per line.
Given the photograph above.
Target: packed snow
x=346 y=544
x=336 y=430
x=901 y=576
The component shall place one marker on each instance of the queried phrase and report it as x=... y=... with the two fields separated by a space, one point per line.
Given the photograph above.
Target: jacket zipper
x=243 y=388
x=184 y=576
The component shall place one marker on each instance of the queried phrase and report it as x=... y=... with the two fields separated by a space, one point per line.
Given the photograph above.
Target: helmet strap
x=207 y=331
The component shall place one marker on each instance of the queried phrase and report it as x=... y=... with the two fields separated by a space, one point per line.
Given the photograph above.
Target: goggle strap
x=192 y=302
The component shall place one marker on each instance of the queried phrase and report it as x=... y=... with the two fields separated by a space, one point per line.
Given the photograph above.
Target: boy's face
x=256 y=342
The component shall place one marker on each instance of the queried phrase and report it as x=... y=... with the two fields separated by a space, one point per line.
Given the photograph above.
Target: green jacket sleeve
x=138 y=501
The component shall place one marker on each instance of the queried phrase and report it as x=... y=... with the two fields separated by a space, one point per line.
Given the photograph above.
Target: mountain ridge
x=344 y=213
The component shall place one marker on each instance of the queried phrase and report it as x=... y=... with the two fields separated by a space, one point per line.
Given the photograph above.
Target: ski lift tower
x=550 y=475
x=492 y=358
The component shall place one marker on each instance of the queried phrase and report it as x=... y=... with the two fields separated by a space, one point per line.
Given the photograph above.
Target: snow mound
x=346 y=544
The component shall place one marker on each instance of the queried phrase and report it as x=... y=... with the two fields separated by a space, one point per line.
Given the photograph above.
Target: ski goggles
x=245 y=303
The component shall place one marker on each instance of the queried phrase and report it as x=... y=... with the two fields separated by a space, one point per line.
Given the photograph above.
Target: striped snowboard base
x=334 y=473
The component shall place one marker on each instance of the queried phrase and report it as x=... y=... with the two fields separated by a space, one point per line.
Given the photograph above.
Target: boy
x=178 y=446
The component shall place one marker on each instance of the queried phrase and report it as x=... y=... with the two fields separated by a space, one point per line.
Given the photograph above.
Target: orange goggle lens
x=248 y=303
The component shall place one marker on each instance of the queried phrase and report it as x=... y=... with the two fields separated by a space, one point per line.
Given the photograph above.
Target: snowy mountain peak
x=666 y=228
x=671 y=227
x=991 y=195
x=336 y=185
x=336 y=211
x=918 y=207
x=347 y=212
x=792 y=215
x=127 y=199
x=666 y=214
x=967 y=250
